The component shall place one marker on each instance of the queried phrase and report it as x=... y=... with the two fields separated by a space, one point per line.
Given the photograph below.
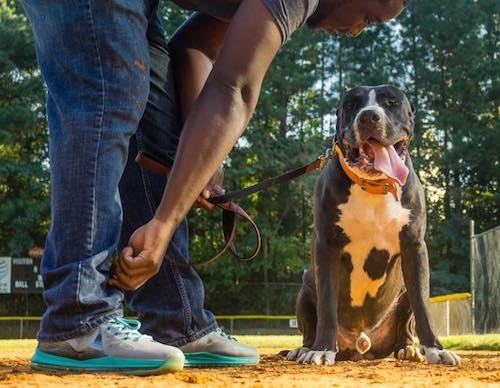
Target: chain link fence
x=485 y=280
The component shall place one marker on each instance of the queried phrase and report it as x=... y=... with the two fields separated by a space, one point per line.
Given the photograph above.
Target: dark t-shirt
x=289 y=15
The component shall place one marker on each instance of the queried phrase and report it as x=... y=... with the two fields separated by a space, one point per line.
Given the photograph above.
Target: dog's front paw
x=296 y=353
x=318 y=357
x=438 y=356
x=410 y=353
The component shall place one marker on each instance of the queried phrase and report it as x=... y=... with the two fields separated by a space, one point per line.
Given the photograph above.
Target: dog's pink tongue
x=387 y=160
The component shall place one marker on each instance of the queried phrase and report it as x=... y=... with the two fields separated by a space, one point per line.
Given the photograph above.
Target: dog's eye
x=350 y=105
x=390 y=101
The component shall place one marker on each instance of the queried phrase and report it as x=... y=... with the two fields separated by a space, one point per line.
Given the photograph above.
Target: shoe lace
x=126 y=329
x=224 y=334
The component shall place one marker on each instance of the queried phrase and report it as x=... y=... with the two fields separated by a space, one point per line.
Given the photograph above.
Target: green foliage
x=24 y=178
x=490 y=342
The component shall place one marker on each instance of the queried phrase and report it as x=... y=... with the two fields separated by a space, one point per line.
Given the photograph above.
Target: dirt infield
x=479 y=369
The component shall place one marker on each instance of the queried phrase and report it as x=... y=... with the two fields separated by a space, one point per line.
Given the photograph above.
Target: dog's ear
x=412 y=107
x=337 y=122
x=346 y=88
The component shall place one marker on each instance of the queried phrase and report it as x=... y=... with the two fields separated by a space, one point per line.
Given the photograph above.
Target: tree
x=24 y=176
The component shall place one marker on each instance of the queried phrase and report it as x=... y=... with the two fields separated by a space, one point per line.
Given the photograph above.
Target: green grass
x=489 y=342
x=472 y=342
x=459 y=342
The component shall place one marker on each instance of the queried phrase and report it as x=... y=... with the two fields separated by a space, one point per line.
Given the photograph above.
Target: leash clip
x=322 y=159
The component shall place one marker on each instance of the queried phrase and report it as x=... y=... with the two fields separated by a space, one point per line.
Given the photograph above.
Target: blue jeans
x=110 y=93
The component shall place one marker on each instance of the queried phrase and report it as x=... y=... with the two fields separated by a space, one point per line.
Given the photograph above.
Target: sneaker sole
x=207 y=359
x=131 y=366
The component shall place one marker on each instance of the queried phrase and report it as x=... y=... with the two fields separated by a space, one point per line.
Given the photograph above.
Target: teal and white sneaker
x=115 y=346
x=218 y=349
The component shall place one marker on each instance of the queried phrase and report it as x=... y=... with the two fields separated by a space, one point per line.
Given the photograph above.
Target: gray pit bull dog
x=368 y=288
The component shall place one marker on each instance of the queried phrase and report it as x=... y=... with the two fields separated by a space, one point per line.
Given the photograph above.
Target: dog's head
x=374 y=128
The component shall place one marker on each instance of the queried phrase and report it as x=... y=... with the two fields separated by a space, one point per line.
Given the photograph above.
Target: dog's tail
x=363 y=343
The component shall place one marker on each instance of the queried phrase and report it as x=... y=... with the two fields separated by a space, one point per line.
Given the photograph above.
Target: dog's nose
x=369 y=117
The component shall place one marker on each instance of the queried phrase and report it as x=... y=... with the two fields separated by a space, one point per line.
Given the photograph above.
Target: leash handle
x=229 y=212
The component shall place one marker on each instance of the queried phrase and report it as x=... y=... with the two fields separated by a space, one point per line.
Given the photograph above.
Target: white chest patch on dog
x=371 y=222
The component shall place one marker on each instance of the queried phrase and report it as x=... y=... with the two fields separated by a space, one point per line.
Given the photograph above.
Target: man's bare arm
x=223 y=109
x=193 y=53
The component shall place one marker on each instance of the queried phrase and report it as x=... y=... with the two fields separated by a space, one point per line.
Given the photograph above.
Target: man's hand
x=215 y=184
x=214 y=187
x=142 y=258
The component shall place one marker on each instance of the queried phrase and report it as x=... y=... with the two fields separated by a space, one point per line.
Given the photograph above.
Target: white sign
x=5 y=274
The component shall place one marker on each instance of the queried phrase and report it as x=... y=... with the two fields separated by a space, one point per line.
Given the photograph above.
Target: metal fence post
x=447 y=318
x=472 y=280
